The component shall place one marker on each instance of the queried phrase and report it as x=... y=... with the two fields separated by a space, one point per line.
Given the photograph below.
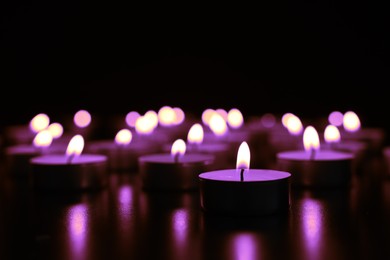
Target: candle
x=313 y=167
x=175 y=171
x=122 y=152
x=244 y=191
x=69 y=171
x=17 y=157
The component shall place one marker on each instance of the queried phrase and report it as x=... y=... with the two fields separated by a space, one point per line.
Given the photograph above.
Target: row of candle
x=233 y=190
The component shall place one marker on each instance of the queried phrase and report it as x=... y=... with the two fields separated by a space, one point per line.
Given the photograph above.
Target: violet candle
x=174 y=171
x=313 y=167
x=70 y=171
x=244 y=191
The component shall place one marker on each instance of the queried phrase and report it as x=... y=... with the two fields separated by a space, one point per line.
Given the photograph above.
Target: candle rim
x=211 y=175
x=296 y=155
x=62 y=159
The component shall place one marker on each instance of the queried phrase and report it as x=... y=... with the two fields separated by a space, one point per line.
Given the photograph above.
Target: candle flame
x=311 y=140
x=75 y=146
x=82 y=118
x=180 y=115
x=206 y=115
x=166 y=116
x=43 y=139
x=235 y=118
x=222 y=112
x=195 y=134
x=218 y=125
x=351 y=121
x=335 y=118
x=294 y=125
x=144 y=125
x=243 y=156
x=123 y=137
x=178 y=148
x=285 y=118
x=331 y=134
x=56 y=130
x=39 y=122
x=131 y=118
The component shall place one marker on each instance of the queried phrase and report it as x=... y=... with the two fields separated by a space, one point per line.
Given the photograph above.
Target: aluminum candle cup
x=326 y=169
x=56 y=173
x=163 y=172
x=255 y=192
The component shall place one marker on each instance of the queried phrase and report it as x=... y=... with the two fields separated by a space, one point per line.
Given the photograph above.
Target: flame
x=351 y=121
x=178 y=148
x=43 y=139
x=335 y=118
x=180 y=115
x=39 y=122
x=243 y=156
x=222 y=112
x=294 y=125
x=217 y=124
x=311 y=140
x=235 y=118
x=82 y=118
x=75 y=146
x=195 y=134
x=206 y=115
x=331 y=134
x=166 y=116
x=144 y=125
x=56 y=130
x=131 y=118
x=285 y=118
x=123 y=137
x=152 y=116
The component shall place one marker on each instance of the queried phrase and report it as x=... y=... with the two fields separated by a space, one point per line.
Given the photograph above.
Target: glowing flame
x=152 y=116
x=195 y=134
x=235 y=118
x=335 y=118
x=180 y=115
x=331 y=134
x=123 y=137
x=82 y=118
x=144 y=125
x=217 y=124
x=166 y=116
x=131 y=118
x=243 y=156
x=39 y=122
x=75 y=146
x=43 y=139
x=206 y=115
x=56 y=130
x=285 y=118
x=311 y=140
x=351 y=121
x=178 y=148
x=222 y=112
x=294 y=125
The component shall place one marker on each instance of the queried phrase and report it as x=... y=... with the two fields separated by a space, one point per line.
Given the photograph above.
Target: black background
x=307 y=57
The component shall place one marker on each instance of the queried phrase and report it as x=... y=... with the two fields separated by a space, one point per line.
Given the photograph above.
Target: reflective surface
x=125 y=222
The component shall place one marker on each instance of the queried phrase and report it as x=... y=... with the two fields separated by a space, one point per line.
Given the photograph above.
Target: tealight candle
x=122 y=152
x=244 y=191
x=69 y=171
x=313 y=167
x=175 y=171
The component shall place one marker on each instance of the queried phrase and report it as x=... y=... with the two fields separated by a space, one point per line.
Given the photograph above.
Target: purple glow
x=131 y=118
x=312 y=224
x=82 y=118
x=78 y=229
x=268 y=120
x=245 y=246
x=125 y=197
x=336 y=118
x=180 y=219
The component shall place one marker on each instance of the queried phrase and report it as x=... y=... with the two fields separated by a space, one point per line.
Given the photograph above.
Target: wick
x=70 y=158
x=312 y=154
x=242 y=174
x=176 y=158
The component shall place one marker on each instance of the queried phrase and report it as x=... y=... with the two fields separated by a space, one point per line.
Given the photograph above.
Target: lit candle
x=17 y=157
x=122 y=152
x=313 y=167
x=177 y=170
x=245 y=191
x=70 y=171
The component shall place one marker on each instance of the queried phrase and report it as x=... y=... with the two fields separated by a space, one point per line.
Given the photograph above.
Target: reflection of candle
x=315 y=167
x=17 y=157
x=122 y=152
x=244 y=191
x=70 y=171
x=175 y=171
